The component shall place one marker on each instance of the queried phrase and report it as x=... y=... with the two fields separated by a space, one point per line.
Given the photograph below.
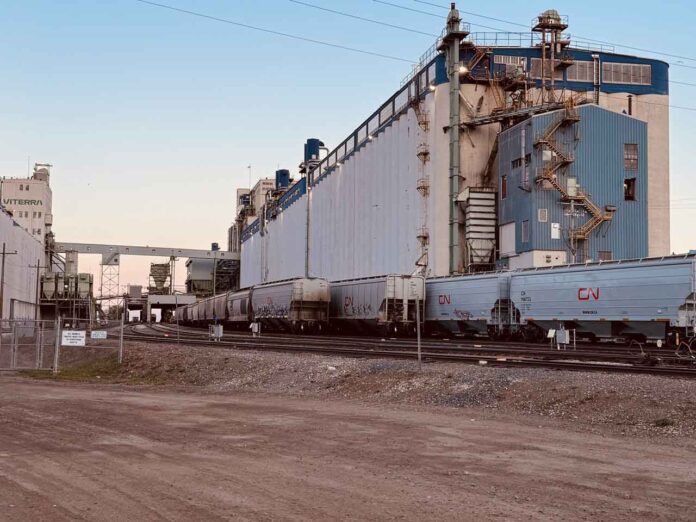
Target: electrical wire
x=276 y=33
x=419 y=11
x=370 y=20
x=333 y=45
x=652 y=103
x=440 y=6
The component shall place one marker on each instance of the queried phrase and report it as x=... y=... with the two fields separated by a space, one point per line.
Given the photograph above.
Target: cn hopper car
x=642 y=300
x=377 y=305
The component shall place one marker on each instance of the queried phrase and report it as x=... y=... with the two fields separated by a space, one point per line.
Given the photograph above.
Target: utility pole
x=2 y=278
x=38 y=287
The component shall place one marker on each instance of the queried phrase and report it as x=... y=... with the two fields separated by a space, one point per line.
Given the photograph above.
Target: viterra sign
x=35 y=202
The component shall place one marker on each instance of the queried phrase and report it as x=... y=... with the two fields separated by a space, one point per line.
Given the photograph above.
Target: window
x=39 y=214
x=631 y=156
x=581 y=72
x=630 y=189
x=517 y=163
x=503 y=187
x=543 y=215
x=535 y=71
x=525 y=231
x=33 y=214
x=527 y=159
x=38 y=231
x=605 y=255
x=21 y=187
x=509 y=60
x=629 y=73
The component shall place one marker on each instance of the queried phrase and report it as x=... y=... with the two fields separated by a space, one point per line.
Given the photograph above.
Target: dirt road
x=116 y=453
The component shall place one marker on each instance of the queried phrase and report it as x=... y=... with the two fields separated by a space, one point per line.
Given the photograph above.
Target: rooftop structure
x=30 y=201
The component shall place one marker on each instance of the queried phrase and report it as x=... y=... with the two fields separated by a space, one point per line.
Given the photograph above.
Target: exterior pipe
x=453 y=29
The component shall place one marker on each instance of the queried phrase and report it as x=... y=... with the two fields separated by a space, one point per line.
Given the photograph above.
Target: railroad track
x=481 y=353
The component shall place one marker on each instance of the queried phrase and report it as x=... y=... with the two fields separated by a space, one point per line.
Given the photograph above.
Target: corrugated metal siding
x=278 y=253
x=20 y=279
x=597 y=143
x=365 y=216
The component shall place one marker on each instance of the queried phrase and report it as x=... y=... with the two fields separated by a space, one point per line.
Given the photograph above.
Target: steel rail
x=488 y=360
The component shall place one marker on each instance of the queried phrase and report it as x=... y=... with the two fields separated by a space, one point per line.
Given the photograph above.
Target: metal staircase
x=550 y=173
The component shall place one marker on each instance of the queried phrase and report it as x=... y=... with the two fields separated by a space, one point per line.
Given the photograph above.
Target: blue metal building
x=573 y=187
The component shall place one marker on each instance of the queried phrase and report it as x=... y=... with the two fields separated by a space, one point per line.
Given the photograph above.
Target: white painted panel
x=20 y=278
x=507 y=240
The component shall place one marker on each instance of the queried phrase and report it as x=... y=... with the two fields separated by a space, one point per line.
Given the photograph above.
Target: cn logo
x=587 y=294
x=444 y=299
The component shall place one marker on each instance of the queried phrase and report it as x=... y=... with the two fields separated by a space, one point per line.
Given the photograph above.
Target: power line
x=356 y=17
x=276 y=33
x=653 y=103
x=578 y=36
x=439 y=17
x=474 y=14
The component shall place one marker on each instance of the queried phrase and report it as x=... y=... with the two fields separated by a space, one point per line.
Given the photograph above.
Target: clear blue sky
x=151 y=116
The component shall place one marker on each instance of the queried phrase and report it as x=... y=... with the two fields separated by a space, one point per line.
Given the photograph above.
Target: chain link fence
x=27 y=344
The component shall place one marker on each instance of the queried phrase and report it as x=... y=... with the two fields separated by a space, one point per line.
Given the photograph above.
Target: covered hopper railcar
x=298 y=305
x=377 y=305
x=469 y=305
x=649 y=299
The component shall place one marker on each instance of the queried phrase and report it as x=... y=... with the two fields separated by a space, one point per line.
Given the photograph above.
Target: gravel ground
x=602 y=403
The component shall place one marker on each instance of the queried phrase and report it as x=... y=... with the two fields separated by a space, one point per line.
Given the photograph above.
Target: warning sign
x=98 y=334
x=74 y=338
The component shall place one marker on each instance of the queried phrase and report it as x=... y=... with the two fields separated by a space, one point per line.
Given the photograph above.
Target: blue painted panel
x=597 y=144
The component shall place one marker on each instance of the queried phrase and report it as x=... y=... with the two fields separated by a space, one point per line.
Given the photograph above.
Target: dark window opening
x=631 y=156
x=517 y=163
x=503 y=187
x=527 y=159
x=630 y=189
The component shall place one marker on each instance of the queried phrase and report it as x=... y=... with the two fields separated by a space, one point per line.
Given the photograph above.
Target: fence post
x=56 y=350
x=13 y=355
x=38 y=328
x=120 y=340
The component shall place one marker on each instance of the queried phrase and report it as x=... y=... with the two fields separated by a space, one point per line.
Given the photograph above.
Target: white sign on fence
x=98 y=334
x=74 y=338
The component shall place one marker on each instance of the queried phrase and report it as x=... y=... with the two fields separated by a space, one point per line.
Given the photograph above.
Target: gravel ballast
x=621 y=403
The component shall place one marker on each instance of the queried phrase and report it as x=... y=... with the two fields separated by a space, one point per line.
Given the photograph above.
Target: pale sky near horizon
x=150 y=117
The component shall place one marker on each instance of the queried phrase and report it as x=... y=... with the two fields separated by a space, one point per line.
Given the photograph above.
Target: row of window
x=25 y=214
x=24 y=187
x=584 y=71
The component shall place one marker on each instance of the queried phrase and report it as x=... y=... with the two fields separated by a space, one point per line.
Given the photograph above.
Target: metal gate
x=27 y=344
